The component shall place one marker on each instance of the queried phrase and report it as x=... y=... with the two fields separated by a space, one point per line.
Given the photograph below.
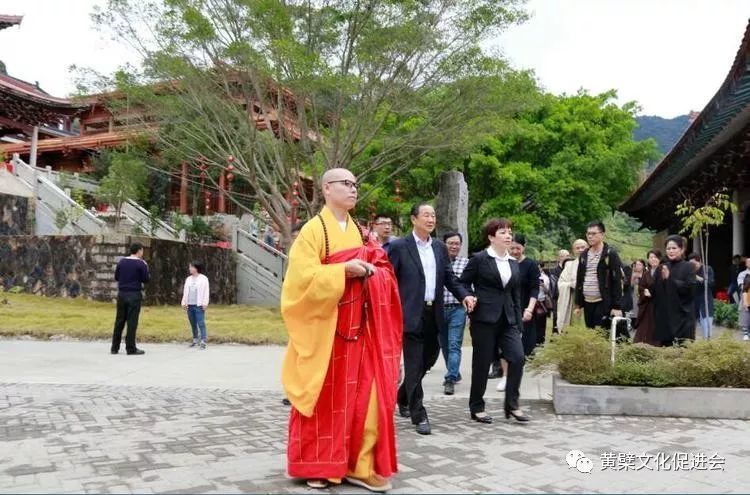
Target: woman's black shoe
x=487 y=419
x=518 y=417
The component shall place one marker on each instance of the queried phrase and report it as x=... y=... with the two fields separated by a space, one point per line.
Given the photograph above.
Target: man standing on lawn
x=131 y=273
x=341 y=308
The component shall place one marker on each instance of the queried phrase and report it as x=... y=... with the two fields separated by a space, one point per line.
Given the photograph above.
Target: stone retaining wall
x=685 y=402
x=83 y=266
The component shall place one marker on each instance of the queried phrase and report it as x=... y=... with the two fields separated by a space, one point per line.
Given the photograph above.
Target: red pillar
x=184 y=189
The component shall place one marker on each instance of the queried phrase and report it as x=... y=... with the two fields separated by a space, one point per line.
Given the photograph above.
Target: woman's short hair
x=198 y=266
x=494 y=224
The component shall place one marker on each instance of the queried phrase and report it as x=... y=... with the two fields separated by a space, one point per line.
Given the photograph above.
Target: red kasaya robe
x=327 y=443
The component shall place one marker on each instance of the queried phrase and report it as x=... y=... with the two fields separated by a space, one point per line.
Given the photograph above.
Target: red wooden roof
x=92 y=142
x=25 y=90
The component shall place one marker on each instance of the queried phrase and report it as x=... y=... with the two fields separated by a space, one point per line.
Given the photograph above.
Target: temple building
x=712 y=155
x=67 y=134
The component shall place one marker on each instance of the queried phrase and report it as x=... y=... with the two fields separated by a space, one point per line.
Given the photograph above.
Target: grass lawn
x=40 y=317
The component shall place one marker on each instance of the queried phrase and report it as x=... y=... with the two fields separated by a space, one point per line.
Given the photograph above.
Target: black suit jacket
x=407 y=266
x=493 y=298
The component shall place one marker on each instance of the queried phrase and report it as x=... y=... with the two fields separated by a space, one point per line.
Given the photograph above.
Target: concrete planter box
x=686 y=402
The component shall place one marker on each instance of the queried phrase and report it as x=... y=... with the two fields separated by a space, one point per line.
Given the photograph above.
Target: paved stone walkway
x=111 y=438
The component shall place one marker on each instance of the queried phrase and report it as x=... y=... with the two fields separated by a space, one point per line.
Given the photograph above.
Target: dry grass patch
x=40 y=317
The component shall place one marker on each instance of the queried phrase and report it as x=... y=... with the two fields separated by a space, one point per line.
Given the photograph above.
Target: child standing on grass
x=195 y=301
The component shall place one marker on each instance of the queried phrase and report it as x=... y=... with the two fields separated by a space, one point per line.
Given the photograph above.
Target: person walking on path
x=674 y=286
x=340 y=305
x=423 y=270
x=599 y=279
x=383 y=228
x=495 y=278
x=530 y=280
x=645 y=324
x=452 y=334
x=703 y=272
x=743 y=284
x=195 y=294
x=566 y=286
x=563 y=256
x=131 y=273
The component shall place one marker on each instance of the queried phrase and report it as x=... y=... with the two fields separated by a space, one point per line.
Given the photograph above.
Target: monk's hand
x=646 y=292
x=370 y=269
x=355 y=268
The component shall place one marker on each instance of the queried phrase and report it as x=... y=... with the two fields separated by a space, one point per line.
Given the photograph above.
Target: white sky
x=669 y=55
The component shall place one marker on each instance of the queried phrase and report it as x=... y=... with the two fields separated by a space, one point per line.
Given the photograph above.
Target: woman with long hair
x=645 y=323
x=673 y=295
x=493 y=276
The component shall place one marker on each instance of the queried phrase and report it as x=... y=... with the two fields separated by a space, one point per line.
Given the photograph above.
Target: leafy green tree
x=368 y=85
x=125 y=180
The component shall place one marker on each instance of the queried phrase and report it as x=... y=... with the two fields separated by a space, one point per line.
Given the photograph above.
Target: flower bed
x=704 y=379
x=582 y=356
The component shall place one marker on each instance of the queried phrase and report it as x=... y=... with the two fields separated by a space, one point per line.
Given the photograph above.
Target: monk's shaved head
x=336 y=174
x=339 y=188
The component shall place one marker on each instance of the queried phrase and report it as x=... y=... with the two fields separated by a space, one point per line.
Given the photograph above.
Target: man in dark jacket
x=131 y=273
x=423 y=271
x=599 y=281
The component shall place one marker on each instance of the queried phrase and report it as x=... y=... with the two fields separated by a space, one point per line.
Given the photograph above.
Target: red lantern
x=230 y=158
x=230 y=167
x=230 y=177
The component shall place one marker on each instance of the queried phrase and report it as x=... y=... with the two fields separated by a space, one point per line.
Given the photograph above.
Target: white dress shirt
x=429 y=266
x=503 y=264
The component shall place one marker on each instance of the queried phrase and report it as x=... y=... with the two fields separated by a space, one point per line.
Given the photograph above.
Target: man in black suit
x=422 y=268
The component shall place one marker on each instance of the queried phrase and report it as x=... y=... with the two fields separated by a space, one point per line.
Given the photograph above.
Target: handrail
x=51 y=194
x=269 y=258
x=132 y=209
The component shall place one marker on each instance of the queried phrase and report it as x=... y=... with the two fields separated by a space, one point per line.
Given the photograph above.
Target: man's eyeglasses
x=346 y=182
x=593 y=233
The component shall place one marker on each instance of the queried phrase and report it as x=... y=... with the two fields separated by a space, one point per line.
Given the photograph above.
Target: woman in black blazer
x=496 y=319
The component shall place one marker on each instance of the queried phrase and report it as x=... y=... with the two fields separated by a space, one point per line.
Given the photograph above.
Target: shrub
x=720 y=362
x=725 y=314
x=582 y=356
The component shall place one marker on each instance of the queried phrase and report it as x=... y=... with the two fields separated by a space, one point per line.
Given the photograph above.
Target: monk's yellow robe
x=333 y=428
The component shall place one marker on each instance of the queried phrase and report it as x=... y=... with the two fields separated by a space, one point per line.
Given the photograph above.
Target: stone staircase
x=260 y=268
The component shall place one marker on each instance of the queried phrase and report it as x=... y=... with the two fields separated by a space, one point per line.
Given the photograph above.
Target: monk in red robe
x=341 y=307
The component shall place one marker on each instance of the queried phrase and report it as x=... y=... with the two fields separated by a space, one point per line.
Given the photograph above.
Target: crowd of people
x=368 y=314
x=358 y=304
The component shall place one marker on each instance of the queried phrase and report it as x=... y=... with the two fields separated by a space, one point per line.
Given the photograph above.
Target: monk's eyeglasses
x=346 y=182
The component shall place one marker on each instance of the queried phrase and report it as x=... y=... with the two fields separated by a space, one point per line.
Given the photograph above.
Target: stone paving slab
x=227 y=366
x=109 y=438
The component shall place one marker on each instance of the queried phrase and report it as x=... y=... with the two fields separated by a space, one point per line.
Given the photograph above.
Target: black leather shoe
x=517 y=416
x=482 y=417
x=403 y=411
x=114 y=352
x=448 y=388
x=423 y=427
x=136 y=352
